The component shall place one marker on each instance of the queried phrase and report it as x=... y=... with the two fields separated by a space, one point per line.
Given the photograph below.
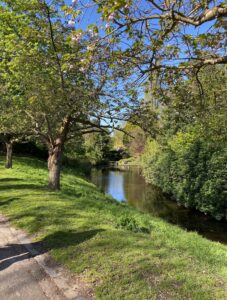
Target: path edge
x=69 y=284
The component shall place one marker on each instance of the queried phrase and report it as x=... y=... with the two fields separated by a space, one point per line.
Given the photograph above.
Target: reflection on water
x=131 y=187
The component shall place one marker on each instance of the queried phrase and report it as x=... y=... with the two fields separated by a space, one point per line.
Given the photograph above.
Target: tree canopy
x=168 y=35
x=63 y=79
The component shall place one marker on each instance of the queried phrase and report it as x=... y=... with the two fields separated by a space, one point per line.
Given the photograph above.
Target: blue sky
x=91 y=16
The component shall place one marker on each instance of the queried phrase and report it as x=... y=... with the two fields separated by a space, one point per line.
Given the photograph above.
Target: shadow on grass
x=10 y=179
x=13 y=253
x=23 y=186
x=62 y=239
x=8 y=201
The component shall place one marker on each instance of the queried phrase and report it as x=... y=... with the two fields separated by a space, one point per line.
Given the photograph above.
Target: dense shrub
x=192 y=169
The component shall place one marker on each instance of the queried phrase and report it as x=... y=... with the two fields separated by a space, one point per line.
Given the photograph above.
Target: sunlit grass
x=78 y=226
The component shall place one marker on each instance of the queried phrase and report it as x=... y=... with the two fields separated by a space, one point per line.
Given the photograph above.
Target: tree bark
x=9 y=155
x=54 y=167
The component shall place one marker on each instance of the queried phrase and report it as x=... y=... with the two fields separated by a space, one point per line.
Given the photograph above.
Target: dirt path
x=28 y=274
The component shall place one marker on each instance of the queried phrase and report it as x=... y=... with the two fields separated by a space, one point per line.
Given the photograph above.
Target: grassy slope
x=78 y=225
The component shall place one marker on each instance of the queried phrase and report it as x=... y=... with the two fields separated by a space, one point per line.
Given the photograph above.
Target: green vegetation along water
x=79 y=226
x=128 y=185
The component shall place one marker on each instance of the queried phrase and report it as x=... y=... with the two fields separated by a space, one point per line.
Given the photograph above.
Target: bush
x=156 y=165
x=192 y=169
x=131 y=224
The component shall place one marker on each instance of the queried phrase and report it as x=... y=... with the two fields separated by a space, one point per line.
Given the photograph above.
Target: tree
x=13 y=126
x=196 y=101
x=118 y=140
x=67 y=83
x=167 y=35
x=97 y=146
x=188 y=157
x=161 y=41
x=134 y=140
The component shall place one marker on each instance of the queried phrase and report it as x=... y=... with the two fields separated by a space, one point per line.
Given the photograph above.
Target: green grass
x=79 y=227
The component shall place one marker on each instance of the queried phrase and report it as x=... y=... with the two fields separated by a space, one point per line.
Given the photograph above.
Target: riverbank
x=131 y=161
x=128 y=184
x=123 y=253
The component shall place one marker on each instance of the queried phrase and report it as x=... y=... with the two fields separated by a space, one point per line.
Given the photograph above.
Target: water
x=130 y=186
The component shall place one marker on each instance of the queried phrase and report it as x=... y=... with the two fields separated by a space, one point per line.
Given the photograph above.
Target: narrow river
x=130 y=186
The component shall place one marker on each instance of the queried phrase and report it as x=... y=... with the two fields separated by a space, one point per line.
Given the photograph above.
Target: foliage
x=134 y=139
x=167 y=35
x=156 y=167
x=97 y=146
x=75 y=148
x=188 y=157
x=77 y=226
x=130 y=223
x=192 y=169
x=131 y=139
x=118 y=143
x=130 y=161
x=60 y=77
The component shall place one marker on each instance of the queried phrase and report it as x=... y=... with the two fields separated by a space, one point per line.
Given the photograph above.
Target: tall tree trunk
x=9 y=155
x=54 y=167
